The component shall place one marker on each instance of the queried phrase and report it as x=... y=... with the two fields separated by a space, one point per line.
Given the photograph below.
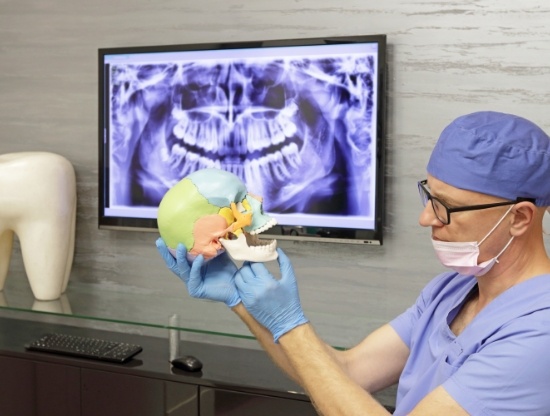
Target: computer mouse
x=187 y=363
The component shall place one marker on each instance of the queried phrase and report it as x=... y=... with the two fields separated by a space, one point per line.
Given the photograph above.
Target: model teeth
x=271 y=223
x=253 y=241
x=241 y=248
x=268 y=246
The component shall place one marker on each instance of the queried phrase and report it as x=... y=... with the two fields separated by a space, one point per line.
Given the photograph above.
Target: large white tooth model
x=38 y=204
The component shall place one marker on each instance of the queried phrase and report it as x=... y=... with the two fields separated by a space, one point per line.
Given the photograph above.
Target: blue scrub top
x=498 y=365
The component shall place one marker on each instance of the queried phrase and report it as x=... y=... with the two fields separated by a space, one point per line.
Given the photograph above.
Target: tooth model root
x=38 y=204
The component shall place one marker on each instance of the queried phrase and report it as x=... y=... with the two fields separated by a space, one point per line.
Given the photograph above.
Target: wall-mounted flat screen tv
x=300 y=121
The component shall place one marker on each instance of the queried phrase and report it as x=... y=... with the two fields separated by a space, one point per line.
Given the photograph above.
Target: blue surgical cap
x=495 y=154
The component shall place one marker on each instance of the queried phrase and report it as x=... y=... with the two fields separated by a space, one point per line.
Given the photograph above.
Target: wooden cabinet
x=17 y=381
x=31 y=388
x=221 y=402
x=111 y=394
x=38 y=389
x=233 y=382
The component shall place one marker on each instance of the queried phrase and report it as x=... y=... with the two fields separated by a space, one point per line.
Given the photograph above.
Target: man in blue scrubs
x=477 y=339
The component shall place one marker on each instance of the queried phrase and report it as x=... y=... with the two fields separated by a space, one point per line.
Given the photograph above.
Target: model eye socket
x=244 y=206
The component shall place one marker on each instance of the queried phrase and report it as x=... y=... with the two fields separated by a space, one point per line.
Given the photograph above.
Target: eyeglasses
x=443 y=212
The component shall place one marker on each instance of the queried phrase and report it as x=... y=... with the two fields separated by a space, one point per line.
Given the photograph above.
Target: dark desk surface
x=245 y=370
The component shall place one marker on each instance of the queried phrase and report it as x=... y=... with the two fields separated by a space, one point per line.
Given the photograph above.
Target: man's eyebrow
x=446 y=199
x=450 y=202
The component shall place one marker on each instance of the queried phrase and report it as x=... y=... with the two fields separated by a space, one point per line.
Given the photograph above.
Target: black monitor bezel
x=336 y=235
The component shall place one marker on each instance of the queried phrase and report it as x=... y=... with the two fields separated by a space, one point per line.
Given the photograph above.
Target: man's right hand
x=212 y=280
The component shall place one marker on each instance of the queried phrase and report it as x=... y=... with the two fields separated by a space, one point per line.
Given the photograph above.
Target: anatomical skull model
x=210 y=210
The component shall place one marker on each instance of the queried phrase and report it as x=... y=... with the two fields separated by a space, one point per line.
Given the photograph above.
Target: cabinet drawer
x=218 y=402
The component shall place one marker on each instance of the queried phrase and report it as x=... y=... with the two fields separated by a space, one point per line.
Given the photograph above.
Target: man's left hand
x=273 y=303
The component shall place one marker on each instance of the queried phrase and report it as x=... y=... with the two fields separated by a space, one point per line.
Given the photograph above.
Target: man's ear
x=524 y=215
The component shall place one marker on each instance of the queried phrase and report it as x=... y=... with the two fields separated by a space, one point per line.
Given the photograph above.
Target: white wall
x=446 y=58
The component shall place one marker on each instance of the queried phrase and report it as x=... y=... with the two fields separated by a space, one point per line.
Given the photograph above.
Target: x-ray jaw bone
x=280 y=125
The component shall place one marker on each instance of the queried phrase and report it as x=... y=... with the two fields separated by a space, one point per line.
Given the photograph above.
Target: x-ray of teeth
x=297 y=131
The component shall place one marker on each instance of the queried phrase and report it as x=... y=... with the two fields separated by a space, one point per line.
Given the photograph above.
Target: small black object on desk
x=187 y=363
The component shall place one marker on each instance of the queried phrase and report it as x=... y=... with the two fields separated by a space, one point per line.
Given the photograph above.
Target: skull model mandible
x=211 y=210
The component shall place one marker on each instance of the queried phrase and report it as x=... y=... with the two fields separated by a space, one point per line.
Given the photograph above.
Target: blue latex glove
x=213 y=279
x=273 y=303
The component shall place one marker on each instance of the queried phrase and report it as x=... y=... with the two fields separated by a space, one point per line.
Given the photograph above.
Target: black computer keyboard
x=85 y=347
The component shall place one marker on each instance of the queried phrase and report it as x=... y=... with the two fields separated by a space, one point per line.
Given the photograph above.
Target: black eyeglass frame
x=424 y=191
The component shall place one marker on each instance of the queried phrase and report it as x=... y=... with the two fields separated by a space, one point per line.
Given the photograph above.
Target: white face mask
x=462 y=257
